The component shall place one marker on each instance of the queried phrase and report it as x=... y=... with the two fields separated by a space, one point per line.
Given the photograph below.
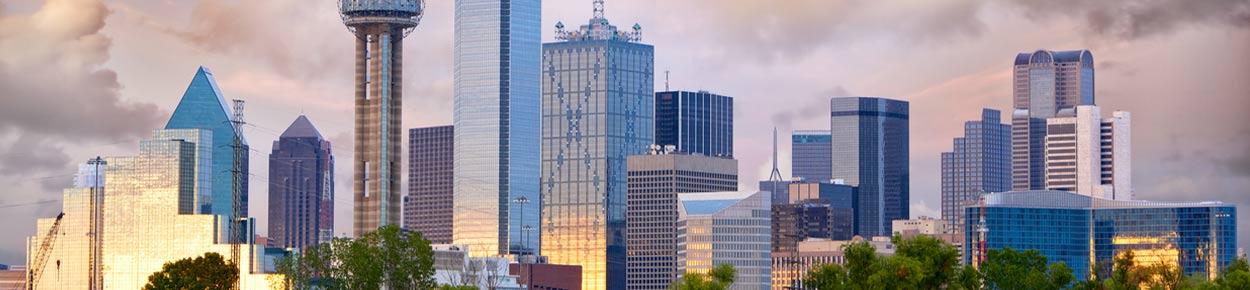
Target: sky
x=86 y=78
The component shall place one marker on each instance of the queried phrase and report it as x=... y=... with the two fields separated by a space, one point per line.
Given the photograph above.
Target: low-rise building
x=789 y=268
x=726 y=228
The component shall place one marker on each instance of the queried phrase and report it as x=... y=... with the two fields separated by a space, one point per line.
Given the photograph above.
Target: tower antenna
x=598 y=9
x=666 y=80
x=775 y=177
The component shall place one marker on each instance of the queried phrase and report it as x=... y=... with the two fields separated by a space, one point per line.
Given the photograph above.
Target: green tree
x=208 y=272
x=1234 y=277
x=461 y=287
x=969 y=279
x=828 y=277
x=938 y=259
x=1028 y=270
x=720 y=277
x=388 y=256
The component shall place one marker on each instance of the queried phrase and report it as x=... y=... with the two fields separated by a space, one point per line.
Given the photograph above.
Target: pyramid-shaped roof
x=203 y=107
x=301 y=128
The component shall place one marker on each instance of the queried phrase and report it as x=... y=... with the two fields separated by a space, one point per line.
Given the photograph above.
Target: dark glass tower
x=301 y=187
x=811 y=155
x=695 y=122
x=428 y=206
x=203 y=107
x=870 y=151
x=979 y=163
x=1044 y=82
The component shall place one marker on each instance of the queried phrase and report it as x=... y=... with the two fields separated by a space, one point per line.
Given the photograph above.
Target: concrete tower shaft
x=380 y=27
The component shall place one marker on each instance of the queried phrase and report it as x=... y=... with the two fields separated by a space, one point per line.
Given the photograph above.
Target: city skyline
x=1204 y=165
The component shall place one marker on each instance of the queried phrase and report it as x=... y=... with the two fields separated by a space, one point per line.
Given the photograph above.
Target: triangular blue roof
x=706 y=207
x=202 y=106
x=301 y=128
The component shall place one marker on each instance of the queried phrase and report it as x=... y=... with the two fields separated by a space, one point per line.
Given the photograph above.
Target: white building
x=1089 y=155
x=453 y=266
x=726 y=228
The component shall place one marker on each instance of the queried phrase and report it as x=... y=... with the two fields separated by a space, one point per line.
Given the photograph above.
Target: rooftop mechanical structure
x=380 y=27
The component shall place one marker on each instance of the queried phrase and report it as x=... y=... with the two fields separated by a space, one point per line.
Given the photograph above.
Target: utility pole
x=237 y=175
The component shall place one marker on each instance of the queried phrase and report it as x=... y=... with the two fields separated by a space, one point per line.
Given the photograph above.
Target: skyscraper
x=598 y=106
x=428 y=206
x=979 y=163
x=301 y=187
x=870 y=151
x=497 y=128
x=695 y=122
x=655 y=181
x=1090 y=155
x=379 y=27
x=726 y=228
x=204 y=107
x=810 y=155
x=1044 y=83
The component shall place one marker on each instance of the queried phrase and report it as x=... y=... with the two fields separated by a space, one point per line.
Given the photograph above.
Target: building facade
x=301 y=187
x=1043 y=83
x=979 y=163
x=790 y=267
x=695 y=122
x=726 y=228
x=811 y=155
x=497 y=125
x=1084 y=231
x=598 y=106
x=539 y=276
x=1090 y=155
x=453 y=265
x=654 y=184
x=204 y=107
x=428 y=208
x=379 y=28
x=779 y=189
x=870 y=151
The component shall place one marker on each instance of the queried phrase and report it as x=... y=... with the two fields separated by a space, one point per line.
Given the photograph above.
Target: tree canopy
x=720 y=277
x=389 y=256
x=208 y=272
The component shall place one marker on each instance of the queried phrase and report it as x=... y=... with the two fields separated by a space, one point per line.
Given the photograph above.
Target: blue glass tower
x=203 y=107
x=497 y=129
x=979 y=163
x=1084 y=231
x=598 y=107
x=695 y=122
x=811 y=155
x=870 y=151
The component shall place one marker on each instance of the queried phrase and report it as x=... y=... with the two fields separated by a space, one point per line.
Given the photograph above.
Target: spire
x=301 y=128
x=598 y=9
x=776 y=175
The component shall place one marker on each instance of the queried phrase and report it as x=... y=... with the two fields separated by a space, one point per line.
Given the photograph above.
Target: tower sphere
x=404 y=14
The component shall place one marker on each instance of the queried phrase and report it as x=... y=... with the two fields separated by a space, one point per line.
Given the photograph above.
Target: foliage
x=1028 y=270
x=208 y=272
x=918 y=263
x=461 y=287
x=388 y=256
x=720 y=277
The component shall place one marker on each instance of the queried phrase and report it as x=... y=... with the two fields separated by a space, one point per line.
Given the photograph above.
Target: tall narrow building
x=379 y=27
x=428 y=206
x=1089 y=155
x=655 y=181
x=497 y=128
x=695 y=122
x=1044 y=82
x=870 y=151
x=204 y=107
x=979 y=163
x=301 y=187
x=598 y=106
x=810 y=157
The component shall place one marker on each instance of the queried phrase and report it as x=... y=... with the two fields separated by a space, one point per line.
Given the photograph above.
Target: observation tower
x=379 y=27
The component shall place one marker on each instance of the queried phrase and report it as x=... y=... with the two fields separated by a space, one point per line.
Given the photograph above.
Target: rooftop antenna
x=666 y=80
x=775 y=178
x=598 y=9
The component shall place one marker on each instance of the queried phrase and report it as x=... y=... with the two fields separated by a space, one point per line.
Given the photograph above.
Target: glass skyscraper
x=1044 y=82
x=870 y=151
x=811 y=155
x=204 y=107
x=301 y=187
x=1084 y=231
x=695 y=122
x=496 y=120
x=598 y=106
x=979 y=163
x=726 y=228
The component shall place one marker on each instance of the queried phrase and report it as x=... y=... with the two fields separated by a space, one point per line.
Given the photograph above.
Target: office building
x=12 y=279
x=379 y=27
x=811 y=155
x=428 y=208
x=148 y=223
x=204 y=107
x=726 y=228
x=790 y=267
x=454 y=266
x=780 y=190
x=541 y=276
x=930 y=227
x=814 y=210
x=1090 y=155
x=301 y=187
x=598 y=106
x=695 y=122
x=979 y=163
x=1043 y=83
x=654 y=183
x=870 y=151
x=1083 y=231
x=498 y=66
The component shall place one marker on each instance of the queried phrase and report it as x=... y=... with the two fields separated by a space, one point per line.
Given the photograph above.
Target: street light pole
x=521 y=201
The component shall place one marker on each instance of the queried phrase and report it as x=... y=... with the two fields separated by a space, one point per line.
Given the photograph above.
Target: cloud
x=53 y=81
x=30 y=154
x=814 y=107
x=1133 y=19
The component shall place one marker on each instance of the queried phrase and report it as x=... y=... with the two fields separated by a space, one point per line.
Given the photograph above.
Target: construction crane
x=35 y=269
